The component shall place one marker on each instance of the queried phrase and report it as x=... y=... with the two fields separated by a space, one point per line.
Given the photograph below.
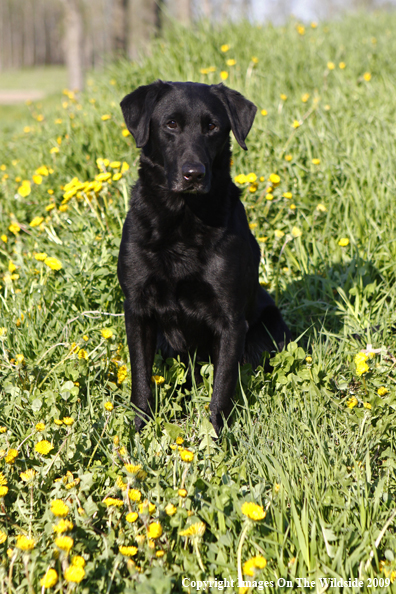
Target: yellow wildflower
x=194 y=530
x=254 y=563
x=253 y=511
x=134 y=495
x=367 y=76
x=341 y=65
x=3 y=537
x=367 y=405
x=59 y=508
x=132 y=517
x=68 y=420
x=231 y=62
x=128 y=551
x=278 y=233
x=74 y=574
x=224 y=48
x=40 y=426
x=105 y=117
x=187 y=456
x=53 y=263
x=157 y=379
x=43 y=447
x=14 y=228
x=28 y=475
x=63 y=526
x=264 y=112
x=353 y=401
x=65 y=543
x=50 y=579
x=343 y=242
x=223 y=75
x=182 y=492
x=11 y=456
x=154 y=530
x=274 y=179
x=296 y=232
x=321 y=208
x=109 y=406
x=382 y=391
x=25 y=543
x=330 y=65
x=146 y=507
x=113 y=502
x=107 y=333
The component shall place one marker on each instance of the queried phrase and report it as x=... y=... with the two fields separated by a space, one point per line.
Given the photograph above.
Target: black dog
x=188 y=263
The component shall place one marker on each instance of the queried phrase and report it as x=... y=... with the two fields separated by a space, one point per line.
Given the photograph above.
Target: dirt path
x=9 y=97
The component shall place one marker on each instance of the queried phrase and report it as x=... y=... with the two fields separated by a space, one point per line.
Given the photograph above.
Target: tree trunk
x=142 y=23
x=74 y=44
x=183 y=11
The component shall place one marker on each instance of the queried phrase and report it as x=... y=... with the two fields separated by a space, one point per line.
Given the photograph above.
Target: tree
x=73 y=43
x=142 y=24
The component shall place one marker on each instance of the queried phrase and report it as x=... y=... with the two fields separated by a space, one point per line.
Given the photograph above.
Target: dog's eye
x=171 y=124
x=212 y=126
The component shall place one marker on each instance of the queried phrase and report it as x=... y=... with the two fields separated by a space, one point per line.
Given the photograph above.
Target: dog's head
x=184 y=128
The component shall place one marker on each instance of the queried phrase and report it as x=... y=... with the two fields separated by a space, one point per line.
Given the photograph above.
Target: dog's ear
x=137 y=109
x=240 y=111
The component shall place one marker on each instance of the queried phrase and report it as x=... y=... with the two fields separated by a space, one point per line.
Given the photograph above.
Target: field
x=302 y=482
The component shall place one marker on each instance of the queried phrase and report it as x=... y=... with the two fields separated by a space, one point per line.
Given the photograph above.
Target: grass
x=312 y=443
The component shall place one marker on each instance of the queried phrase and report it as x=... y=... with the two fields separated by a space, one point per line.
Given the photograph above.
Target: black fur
x=188 y=263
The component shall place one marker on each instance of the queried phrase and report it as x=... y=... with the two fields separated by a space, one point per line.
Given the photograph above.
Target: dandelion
x=382 y=391
x=361 y=365
x=315 y=161
x=74 y=574
x=133 y=468
x=154 y=530
x=296 y=232
x=131 y=517
x=182 y=493
x=28 y=475
x=197 y=529
x=107 y=333
x=53 y=263
x=170 y=509
x=343 y=242
x=68 y=420
x=3 y=491
x=223 y=75
x=55 y=149
x=4 y=238
x=105 y=117
x=288 y=158
x=78 y=561
x=321 y=208
x=125 y=132
x=367 y=76
x=63 y=526
x=113 y=502
x=134 y=495
x=43 y=447
x=128 y=551
x=14 y=228
x=157 y=379
x=367 y=405
x=146 y=507
x=279 y=234
x=40 y=426
x=187 y=456
x=305 y=97
x=264 y=112
x=160 y=554
x=254 y=563
x=231 y=62
x=64 y=543
x=300 y=29
x=287 y=195
x=283 y=96
x=240 y=179
x=253 y=511
x=341 y=65
x=11 y=456
x=224 y=48
x=330 y=65
x=274 y=179
x=24 y=543
x=296 y=124
x=59 y=508
x=108 y=406
x=3 y=537
x=352 y=402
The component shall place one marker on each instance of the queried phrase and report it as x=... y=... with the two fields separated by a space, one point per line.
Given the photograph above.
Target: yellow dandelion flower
x=157 y=379
x=43 y=447
x=182 y=493
x=231 y=62
x=82 y=354
x=78 y=561
x=296 y=124
x=132 y=517
x=274 y=179
x=264 y=112
x=28 y=475
x=134 y=495
x=105 y=117
x=40 y=426
x=24 y=543
x=278 y=234
x=4 y=238
x=74 y=574
x=251 y=178
x=160 y=554
x=50 y=579
x=170 y=509
x=3 y=491
x=288 y=158
x=367 y=405
x=124 y=167
x=55 y=149
x=133 y=468
x=194 y=530
x=305 y=97
x=63 y=526
x=59 y=508
x=146 y=507
x=3 y=480
x=64 y=543
x=353 y=401
x=187 y=456
x=223 y=75
x=343 y=242
x=382 y=391
x=68 y=420
x=253 y=511
x=3 y=537
x=341 y=65
x=128 y=551
x=14 y=228
x=106 y=333
x=113 y=502
x=296 y=232
x=254 y=563
x=367 y=76
x=11 y=456
x=321 y=208
x=283 y=96
x=53 y=263
x=224 y=48
x=154 y=530
x=330 y=65
x=287 y=195
x=109 y=406
x=125 y=132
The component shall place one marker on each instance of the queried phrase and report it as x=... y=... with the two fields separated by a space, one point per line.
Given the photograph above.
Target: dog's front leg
x=142 y=340
x=227 y=353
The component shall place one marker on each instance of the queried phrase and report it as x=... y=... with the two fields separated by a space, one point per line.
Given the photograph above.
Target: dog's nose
x=193 y=172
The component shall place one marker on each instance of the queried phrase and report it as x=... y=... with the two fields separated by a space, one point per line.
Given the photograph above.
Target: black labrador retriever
x=188 y=263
